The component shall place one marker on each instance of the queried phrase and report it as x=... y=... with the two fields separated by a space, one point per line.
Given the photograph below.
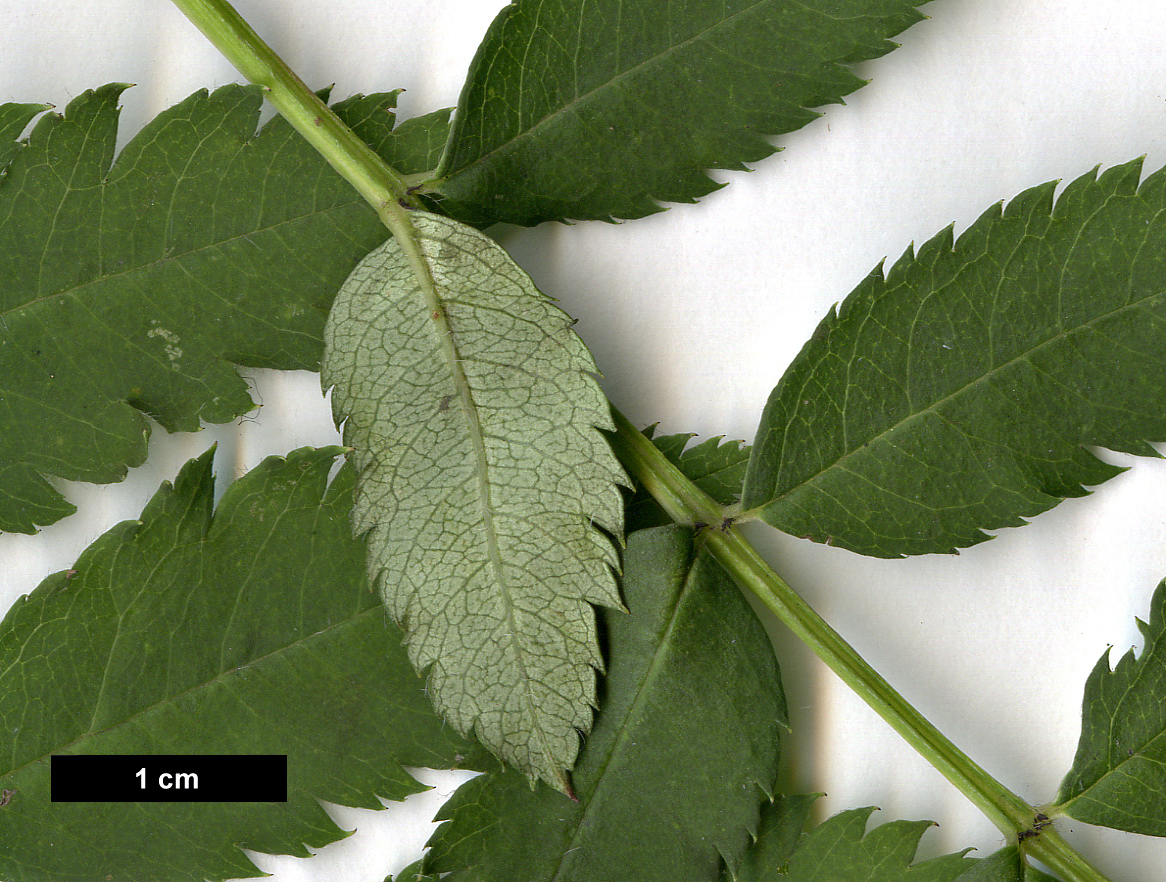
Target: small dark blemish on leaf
x=1039 y=822
x=6 y=796
x=443 y=406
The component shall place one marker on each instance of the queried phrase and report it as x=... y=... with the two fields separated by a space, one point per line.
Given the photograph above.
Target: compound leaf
x=1118 y=778
x=956 y=394
x=840 y=850
x=670 y=781
x=247 y=630
x=132 y=287
x=472 y=409
x=597 y=110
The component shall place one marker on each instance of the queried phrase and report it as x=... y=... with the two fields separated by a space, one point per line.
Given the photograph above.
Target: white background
x=694 y=313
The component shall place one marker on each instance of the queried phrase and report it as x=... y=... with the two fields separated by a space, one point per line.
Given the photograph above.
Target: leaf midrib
x=623 y=735
x=408 y=239
x=934 y=407
x=78 y=289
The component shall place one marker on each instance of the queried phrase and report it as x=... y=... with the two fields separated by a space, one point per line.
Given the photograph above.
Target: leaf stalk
x=686 y=503
x=381 y=186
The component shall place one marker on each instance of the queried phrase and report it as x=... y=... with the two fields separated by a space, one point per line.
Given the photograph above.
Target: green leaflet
x=412 y=146
x=956 y=394
x=13 y=119
x=411 y=873
x=717 y=467
x=597 y=110
x=670 y=781
x=1118 y=777
x=132 y=287
x=421 y=141
x=1005 y=865
x=249 y=630
x=483 y=479
x=783 y=821
x=840 y=850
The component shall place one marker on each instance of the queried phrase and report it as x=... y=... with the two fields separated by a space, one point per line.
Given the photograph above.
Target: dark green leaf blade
x=131 y=288
x=18 y=483
x=1005 y=865
x=13 y=119
x=840 y=850
x=412 y=873
x=783 y=821
x=716 y=466
x=597 y=110
x=419 y=142
x=955 y=395
x=684 y=746
x=1118 y=778
x=256 y=622
x=412 y=147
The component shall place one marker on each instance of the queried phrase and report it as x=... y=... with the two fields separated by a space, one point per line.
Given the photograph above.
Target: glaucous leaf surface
x=132 y=287
x=957 y=393
x=1118 y=777
x=249 y=629
x=840 y=849
x=483 y=483
x=716 y=466
x=686 y=744
x=600 y=110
